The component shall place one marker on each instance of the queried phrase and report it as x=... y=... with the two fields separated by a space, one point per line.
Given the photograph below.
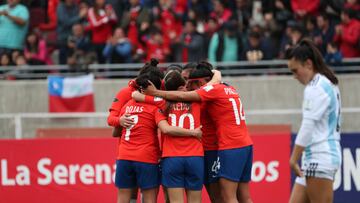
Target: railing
x=131 y=70
x=18 y=117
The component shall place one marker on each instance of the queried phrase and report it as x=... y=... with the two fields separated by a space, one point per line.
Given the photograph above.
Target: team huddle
x=187 y=129
x=202 y=134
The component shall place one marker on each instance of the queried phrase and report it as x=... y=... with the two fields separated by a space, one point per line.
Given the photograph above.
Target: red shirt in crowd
x=349 y=39
x=309 y=6
x=101 y=24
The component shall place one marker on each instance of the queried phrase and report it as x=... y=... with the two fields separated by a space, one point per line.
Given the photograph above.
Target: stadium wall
x=265 y=99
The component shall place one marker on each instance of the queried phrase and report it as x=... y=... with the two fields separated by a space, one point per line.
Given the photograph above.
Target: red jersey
x=140 y=142
x=121 y=98
x=209 y=138
x=184 y=115
x=226 y=110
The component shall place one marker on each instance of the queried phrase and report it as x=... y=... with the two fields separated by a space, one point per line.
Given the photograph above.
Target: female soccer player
x=319 y=134
x=226 y=110
x=137 y=164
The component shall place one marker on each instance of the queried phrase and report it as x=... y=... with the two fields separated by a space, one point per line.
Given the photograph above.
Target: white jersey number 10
x=238 y=112
x=181 y=120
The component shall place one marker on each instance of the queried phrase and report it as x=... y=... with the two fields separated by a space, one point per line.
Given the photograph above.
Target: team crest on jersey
x=208 y=88
x=158 y=99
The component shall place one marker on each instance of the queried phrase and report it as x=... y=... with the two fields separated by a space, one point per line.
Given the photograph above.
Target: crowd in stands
x=78 y=32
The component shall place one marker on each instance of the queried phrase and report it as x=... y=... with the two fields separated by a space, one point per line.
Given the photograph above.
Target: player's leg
x=228 y=190
x=172 y=178
x=176 y=195
x=233 y=166
x=214 y=191
x=134 y=195
x=211 y=179
x=243 y=192
x=194 y=178
x=124 y=195
x=298 y=193
x=319 y=190
x=125 y=180
x=150 y=195
x=193 y=196
x=147 y=176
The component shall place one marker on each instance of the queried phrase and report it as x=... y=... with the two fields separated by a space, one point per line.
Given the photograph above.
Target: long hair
x=305 y=50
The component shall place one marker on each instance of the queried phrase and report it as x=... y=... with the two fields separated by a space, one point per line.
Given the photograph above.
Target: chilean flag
x=71 y=94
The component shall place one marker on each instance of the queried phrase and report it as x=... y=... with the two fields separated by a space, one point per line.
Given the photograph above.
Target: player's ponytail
x=151 y=67
x=305 y=50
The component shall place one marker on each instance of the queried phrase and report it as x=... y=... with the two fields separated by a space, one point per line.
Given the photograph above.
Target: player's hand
x=125 y=121
x=296 y=168
x=150 y=90
x=197 y=132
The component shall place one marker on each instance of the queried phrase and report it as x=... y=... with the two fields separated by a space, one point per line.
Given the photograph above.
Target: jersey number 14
x=238 y=112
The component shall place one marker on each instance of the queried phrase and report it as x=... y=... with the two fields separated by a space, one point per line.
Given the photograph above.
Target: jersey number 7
x=135 y=118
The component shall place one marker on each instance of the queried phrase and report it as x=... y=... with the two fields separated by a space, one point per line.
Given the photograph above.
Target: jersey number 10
x=181 y=120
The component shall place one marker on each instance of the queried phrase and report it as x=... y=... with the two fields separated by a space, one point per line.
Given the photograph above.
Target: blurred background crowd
x=45 y=32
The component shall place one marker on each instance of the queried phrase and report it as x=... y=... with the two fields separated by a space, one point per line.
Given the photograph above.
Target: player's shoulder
x=318 y=85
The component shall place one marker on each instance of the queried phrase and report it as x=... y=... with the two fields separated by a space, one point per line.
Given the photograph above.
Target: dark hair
x=191 y=65
x=32 y=47
x=142 y=81
x=173 y=81
x=176 y=67
x=305 y=50
x=152 y=68
x=202 y=70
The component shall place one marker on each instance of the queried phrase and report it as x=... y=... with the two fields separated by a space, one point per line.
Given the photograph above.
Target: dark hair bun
x=154 y=62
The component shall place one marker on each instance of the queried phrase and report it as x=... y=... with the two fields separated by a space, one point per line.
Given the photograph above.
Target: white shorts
x=318 y=173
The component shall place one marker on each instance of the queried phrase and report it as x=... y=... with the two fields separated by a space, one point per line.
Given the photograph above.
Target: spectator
x=155 y=47
x=35 y=50
x=102 y=18
x=14 y=20
x=5 y=60
x=355 y=6
x=20 y=60
x=333 y=56
x=242 y=14
x=167 y=18
x=282 y=13
x=79 y=48
x=324 y=33
x=118 y=48
x=221 y=13
x=347 y=34
x=293 y=34
x=191 y=44
x=226 y=45
x=68 y=14
x=52 y=17
x=256 y=49
x=136 y=21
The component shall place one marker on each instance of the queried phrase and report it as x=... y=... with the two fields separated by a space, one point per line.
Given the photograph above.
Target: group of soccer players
x=181 y=130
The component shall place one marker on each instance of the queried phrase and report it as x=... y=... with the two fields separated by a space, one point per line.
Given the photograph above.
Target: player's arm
x=172 y=95
x=176 y=131
x=137 y=96
x=302 y=140
x=216 y=79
